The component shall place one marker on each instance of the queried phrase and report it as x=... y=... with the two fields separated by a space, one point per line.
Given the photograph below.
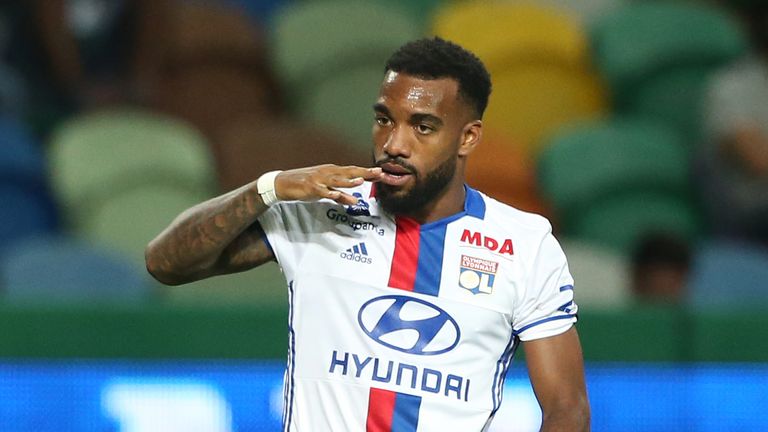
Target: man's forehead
x=390 y=76
x=415 y=90
x=393 y=78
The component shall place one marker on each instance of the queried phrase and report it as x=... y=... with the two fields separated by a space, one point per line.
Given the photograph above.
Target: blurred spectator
x=13 y=91
x=660 y=267
x=84 y=53
x=733 y=162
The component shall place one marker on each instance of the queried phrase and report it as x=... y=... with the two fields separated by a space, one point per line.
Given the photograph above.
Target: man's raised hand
x=323 y=181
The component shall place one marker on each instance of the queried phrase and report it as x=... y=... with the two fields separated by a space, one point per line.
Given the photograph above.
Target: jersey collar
x=474 y=205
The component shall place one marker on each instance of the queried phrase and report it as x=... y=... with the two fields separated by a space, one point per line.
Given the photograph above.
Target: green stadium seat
x=675 y=97
x=313 y=39
x=644 y=38
x=587 y=11
x=617 y=222
x=584 y=163
x=96 y=156
x=420 y=10
x=130 y=218
x=343 y=103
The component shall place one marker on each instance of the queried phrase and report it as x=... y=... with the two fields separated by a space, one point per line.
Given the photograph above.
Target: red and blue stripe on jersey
x=389 y=411
x=417 y=261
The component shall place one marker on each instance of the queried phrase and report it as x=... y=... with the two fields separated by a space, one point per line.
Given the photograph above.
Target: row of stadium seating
x=117 y=188
x=589 y=123
x=627 y=83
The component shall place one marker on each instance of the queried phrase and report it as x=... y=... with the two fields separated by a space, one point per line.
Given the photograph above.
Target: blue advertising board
x=224 y=396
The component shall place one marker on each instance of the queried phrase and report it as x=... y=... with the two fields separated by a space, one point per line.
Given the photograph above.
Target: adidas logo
x=357 y=253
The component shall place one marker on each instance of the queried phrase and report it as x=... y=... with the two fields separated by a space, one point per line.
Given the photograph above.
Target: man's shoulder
x=507 y=217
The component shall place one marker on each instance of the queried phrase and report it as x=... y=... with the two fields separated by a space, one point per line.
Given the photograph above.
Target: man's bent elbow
x=157 y=270
x=583 y=416
x=573 y=416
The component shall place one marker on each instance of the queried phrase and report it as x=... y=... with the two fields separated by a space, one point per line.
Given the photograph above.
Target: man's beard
x=423 y=191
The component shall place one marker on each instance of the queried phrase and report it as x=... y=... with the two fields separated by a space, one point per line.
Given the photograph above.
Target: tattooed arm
x=221 y=235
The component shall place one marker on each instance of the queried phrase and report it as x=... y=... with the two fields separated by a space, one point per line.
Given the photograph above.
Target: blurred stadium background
x=637 y=127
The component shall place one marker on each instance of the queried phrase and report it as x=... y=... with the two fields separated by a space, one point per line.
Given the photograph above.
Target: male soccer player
x=409 y=291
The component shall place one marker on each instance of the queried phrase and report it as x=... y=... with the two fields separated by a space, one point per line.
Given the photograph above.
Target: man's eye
x=382 y=121
x=424 y=129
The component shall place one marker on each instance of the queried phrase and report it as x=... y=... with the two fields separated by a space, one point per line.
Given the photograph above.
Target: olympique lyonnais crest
x=477 y=275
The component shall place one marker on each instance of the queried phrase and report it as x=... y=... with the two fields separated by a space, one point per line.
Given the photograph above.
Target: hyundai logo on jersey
x=360 y=208
x=409 y=325
x=357 y=253
x=405 y=375
x=477 y=275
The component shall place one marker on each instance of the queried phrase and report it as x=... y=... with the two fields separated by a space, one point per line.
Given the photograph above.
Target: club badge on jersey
x=477 y=275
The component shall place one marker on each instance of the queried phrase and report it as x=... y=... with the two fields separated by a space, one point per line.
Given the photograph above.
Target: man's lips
x=392 y=168
x=394 y=175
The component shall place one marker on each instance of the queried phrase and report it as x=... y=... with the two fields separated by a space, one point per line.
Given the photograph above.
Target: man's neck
x=449 y=203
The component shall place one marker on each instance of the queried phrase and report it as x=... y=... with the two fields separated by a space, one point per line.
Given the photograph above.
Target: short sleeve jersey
x=397 y=326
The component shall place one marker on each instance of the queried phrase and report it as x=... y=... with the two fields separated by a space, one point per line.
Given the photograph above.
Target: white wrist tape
x=265 y=186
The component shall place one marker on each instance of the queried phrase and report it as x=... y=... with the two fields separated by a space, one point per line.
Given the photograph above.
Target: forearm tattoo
x=196 y=240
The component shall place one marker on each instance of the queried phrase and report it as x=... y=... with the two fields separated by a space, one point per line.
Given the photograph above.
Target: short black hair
x=433 y=58
x=661 y=248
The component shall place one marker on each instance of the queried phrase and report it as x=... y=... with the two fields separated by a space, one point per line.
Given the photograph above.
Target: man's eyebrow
x=414 y=119
x=429 y=118
x=381 y=108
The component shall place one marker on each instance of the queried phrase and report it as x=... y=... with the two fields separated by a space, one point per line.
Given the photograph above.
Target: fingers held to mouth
x=373 y=174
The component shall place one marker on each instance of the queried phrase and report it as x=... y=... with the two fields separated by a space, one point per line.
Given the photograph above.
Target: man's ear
x=471 y=136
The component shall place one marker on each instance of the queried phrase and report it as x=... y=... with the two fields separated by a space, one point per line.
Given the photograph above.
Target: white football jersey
x=397 y=326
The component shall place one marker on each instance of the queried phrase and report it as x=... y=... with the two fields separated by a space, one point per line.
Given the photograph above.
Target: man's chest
x=461 y=261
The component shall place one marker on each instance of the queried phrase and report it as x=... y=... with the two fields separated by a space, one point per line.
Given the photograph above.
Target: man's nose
x=398 y=143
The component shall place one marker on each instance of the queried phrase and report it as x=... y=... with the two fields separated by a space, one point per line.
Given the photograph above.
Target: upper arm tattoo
x=248 y=250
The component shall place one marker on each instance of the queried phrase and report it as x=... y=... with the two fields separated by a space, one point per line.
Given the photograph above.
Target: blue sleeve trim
x=264 y=238
x=502 y=367
x=542 y=321
x=288 y=391
x=566 y=288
